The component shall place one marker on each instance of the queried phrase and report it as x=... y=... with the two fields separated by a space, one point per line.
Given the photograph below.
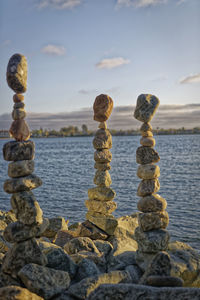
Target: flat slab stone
x=104 y=207
x=103 y=156
x=101 y=193
x=90 y=230
x=14 y=151
x=152 y=203
x=102 y=107
x=146 y=155
x=153 y=220
x=105 y=222
x=102 y=178
x=152 y=241
x=44 y=281
x=26 y=208
x=20 y=168
x=13 y=292
x=17 y=73
x=102 y=139
x=148 y=171
x=22 y=184
x=146 y=107
x=148 y=187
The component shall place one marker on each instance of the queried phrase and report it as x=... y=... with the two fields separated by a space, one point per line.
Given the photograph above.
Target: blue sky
x=77 y=49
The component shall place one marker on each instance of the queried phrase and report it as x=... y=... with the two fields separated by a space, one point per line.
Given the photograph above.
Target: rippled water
x=66 y=168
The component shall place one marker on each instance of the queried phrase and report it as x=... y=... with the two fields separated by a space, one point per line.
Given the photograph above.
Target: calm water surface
x=66 y=168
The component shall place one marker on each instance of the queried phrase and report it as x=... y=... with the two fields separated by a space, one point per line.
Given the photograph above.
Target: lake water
x=66 y=168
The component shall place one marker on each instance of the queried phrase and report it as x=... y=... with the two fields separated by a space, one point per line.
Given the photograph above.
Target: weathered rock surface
x=152 y=203
x=88 y=229
x=22 y=184
x=102 y=139
x=101 y=193
x=102 y=166
x=148 y=171
x=146 y=107
x=135 y=273
x=26 y=208
x=4 y=245
x=20 y=168
x=103 y=156
x=19 y=104
x=147 y=141
x=153 y=220
x=63 y=236
x=103 y=246
x=105 y=222
x=148 y=187
x=82 y=289
x=6 y=280
x=18 y=114
x=17 y=98
x=146 y=155
x=161 y=281
x=21 y=254
x=14 y=292
x=152 y=241
x=17 y=73
x=44 y=281
x=104 y=207
x=102 y=107
x=14 y=151
x=102 y=178
x=19 y=130
x=86 y=268
x=102 y=125
x=147 y=134
x=55 y=224
x=79 y=244
x=145 y=127
x=138 y=292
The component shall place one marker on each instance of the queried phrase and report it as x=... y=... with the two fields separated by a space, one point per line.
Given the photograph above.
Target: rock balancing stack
x=30 y=223
x=151 y=235
x=100 y=204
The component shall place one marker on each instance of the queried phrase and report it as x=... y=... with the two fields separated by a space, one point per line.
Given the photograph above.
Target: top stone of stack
x=17 y=73
x=102 y=107
x=146 y=107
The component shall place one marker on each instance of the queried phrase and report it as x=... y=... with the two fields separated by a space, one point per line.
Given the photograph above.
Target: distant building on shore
x=4 y=134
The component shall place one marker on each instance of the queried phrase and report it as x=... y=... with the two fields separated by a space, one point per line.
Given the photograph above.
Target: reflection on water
x=66 y=168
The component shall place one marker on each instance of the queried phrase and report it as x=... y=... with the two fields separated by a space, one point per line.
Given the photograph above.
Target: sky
x=78 y=49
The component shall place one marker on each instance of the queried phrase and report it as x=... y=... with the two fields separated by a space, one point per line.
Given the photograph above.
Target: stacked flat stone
x=100 y=204
x=20 y=153
x=151 y=234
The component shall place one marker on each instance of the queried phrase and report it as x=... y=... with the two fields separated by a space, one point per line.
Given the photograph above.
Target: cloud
x=53 y=50
x=58 y=4
x=139 y=3
x=191 y=79
x=110 y=63
x=87 y=92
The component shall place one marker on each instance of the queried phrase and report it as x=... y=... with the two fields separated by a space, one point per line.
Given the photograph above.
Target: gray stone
x=64 y=296
x=18 y=114
x=55 y=224
x=146 y=107
x=44 y=281
x=79 y=244
x=161 y=281
x=153 y=220
x=22 y=184
x=102 y=139
x=152 y=203
x=152 y=241
x=58 y=259
x=102 y=166
x=20 y=168
x=14 y=151
x=14 y=292
x=146 y=155
x=103 y=156
x=63 y=236
x=102 y=178
x=26 y=208
x=135 y=272
x=17 y=73
x=148 y=187
x=141 y=292
x=103 y=246
x=21 y=254
x=6 y=280
x=86 y=268
x=18 y=105
x=88 y=229
x=82 y=289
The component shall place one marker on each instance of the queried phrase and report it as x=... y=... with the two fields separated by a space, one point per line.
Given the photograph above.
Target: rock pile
x=151 y=234
x=20 y=153
x=100 y=204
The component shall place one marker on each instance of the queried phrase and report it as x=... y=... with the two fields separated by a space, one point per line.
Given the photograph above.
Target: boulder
x=146 y=107
x=107 y=223
x=20 y=168
x=86 y=268
x=80 y=244
x=88 y=229
x=14 y=292
x=63 y=236
x=104 y=247
x=17 y=73
x=14 y=151
x=161 y=281
x=102 y=107
x=22 y=184
x=135 y=273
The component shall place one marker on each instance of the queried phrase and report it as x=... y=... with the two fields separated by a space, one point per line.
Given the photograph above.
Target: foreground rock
x=17 y=293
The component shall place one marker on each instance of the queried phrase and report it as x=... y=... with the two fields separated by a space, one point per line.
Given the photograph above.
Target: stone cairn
x=151 y=235
x=30 y=223
x=100 y=204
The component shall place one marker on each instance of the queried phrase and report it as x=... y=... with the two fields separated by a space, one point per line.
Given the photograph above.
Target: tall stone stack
x=151 y=234
x=100 y=204
x=20 y=153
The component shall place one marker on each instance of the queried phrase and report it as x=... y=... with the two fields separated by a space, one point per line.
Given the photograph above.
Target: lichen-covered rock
x=20 y=168
x=146 y=107
x=153 y=220
x=17 y=73
x=14 y=151
x=17 y=98
x=152 y=203
x=79 y=244
x=148 y=141
x=102 y=107
x=148 y=171
x=63 y=236
x=44 y=281
x=148 y=187
x=135 y=273
x=104 y=207
x=103 y=246
x=82 y=289
x=14 y=292
x=102 y=139
x=19 y=130
x=86 y=268
x=146 y=155
x=22 y=184
x=152 y=241
x=55 y=224
x=102 y=166
x=103 y=156
x=161 y=281
x=88 y=229
x=108 y=223
x=21 y=254
x=18 y=114
x=102 y=178
x=26 y=208
x=101 y=194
